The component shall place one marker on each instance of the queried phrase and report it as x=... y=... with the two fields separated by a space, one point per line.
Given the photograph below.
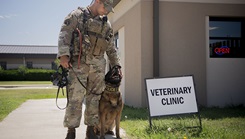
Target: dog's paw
x=110 y=132
x=118 y=136
x=102 y=137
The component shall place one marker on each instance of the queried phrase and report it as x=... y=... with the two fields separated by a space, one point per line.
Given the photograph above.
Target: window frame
x=29 y=64
x=228 y=41
x=3 y=64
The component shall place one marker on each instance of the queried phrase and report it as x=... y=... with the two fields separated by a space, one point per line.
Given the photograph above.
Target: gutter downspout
x=155 y=38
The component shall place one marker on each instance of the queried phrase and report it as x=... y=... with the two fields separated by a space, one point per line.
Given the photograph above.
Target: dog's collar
x=111 y=89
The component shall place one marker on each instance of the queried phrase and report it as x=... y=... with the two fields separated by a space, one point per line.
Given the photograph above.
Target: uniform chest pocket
x=99 y=46
x=94 y=26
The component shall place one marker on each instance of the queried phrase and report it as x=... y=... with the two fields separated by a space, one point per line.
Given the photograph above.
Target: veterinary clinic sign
x=170 y=96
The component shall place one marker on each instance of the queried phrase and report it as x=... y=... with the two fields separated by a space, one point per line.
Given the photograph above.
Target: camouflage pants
x=92 y=76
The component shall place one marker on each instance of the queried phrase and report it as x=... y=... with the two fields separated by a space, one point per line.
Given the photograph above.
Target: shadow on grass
x=131 y=113
x=220 y=113
x=192 y=131
x=186 y=124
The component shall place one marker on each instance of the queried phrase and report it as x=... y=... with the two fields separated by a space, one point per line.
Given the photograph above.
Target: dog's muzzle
x=114 y=76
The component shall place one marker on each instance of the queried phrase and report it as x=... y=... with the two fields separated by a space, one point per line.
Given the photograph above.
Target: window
x=116 y=40
x=29 y=65
x=227 y=37
x=3 y=65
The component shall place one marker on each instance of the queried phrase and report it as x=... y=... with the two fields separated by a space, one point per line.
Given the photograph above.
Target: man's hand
x=64 y=61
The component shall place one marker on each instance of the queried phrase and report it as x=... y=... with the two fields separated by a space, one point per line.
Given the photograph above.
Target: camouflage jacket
x=97 y=36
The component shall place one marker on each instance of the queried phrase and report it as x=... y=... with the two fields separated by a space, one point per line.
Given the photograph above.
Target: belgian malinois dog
x=111 y=105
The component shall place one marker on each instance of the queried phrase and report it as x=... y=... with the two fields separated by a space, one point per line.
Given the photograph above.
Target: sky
x=34 y=22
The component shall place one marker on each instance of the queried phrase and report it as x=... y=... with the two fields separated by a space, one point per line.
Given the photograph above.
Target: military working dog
x=110 y=105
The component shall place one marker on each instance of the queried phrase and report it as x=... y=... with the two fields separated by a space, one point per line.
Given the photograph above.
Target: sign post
x=171 y=96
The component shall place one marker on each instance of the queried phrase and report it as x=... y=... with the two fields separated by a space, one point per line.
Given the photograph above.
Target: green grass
x=217 y=123
x=24 y=82
x=11 y=99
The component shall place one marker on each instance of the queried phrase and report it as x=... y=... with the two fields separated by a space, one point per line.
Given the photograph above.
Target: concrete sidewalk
x=40 y=119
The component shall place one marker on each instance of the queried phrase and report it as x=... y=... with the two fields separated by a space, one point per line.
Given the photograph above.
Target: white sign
x=170 y=96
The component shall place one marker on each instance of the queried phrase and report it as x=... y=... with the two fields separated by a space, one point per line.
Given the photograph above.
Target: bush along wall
x=26 y=75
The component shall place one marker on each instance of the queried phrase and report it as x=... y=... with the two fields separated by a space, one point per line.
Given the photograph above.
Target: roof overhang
x=115 y=2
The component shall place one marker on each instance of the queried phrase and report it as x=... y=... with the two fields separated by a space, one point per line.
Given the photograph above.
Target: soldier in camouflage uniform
x=85 y=36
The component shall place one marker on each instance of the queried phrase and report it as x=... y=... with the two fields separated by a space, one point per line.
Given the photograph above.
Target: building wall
x=138 y=53
x=146 y=46
x=12 y=63
x=225 y=76
x=41 y=61
x=132 y=75
x=182 y=43
x=183 y=48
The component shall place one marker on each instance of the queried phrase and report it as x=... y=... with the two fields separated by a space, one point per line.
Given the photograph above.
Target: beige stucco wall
x=183 y=50
x=146 y=46
x=183 y=44
x=132 y=58
x=138 y=50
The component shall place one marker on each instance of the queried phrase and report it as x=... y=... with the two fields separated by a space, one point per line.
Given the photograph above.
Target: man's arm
x=112 y=52
x=65 y=37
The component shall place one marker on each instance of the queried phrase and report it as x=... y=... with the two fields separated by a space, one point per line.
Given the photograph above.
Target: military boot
x=90 y=134
x=71 y=133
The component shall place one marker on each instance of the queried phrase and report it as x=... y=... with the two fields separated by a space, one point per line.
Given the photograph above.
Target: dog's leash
x=82 y=83
x=57 y=96
x=64 y=76
x=77 y=77
x=61 y=82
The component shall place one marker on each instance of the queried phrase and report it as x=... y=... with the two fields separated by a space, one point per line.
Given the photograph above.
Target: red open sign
x=222 y=50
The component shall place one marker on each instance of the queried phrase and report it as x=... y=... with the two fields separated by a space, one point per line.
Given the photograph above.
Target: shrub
x=22 y=69
x=1 y=68
x=24 y=74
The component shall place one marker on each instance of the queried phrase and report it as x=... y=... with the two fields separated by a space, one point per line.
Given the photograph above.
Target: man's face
x=101 y=9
